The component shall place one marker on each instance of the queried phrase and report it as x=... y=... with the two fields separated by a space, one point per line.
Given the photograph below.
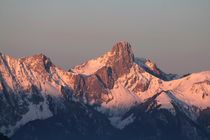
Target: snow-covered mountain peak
x=39 y=58
x=120 y=57
x=38 y=62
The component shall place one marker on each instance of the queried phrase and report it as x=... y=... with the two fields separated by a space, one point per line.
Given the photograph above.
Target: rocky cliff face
x=122 y=59
x=117 y=86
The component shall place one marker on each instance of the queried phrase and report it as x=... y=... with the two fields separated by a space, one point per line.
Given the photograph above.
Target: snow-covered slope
x=193 y=89
x=25 y=87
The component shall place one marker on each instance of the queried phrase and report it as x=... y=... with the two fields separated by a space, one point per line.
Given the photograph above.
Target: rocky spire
x=123 y=50
x=122 y=58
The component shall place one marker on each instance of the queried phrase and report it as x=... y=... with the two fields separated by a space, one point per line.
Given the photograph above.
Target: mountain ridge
x=34 y=88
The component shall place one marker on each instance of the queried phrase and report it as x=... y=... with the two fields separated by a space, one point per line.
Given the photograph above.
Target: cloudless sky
x=173 y=33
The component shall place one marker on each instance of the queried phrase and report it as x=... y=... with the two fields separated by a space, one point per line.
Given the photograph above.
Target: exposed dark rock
x=105 y=75
x=94 y=89
x=204 y=120
x=11 y=107
x=185 y=75
x=36 y=96
x=90 y=89
x=80 y=123
x=2 y=137
x=67 y=93
x=122 y=59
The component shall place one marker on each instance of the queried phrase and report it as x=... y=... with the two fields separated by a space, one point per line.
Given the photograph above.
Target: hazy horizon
x=173 y=34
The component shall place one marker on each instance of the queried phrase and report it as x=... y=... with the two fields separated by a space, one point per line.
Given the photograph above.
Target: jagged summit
x=122 y=48
x=120 y=58
x=36 y=57
x=38 y=62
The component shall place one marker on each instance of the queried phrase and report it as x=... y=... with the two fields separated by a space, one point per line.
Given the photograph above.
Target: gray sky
x=173 y=33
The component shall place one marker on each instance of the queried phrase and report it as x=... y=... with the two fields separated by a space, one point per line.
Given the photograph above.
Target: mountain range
x=114 y=96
